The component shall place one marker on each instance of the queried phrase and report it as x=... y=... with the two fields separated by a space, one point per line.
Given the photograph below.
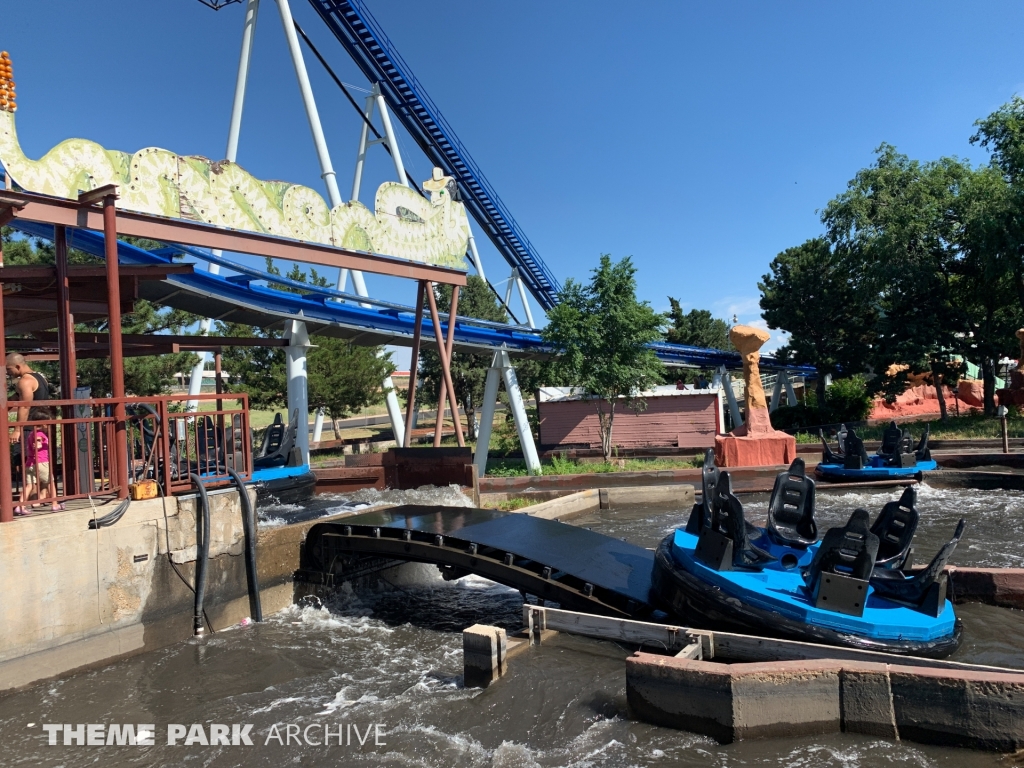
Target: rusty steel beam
x=449 y=344
x=70 y=213
x=116 y=352
x=414 y=363
x=99 y=271
x=446 y=371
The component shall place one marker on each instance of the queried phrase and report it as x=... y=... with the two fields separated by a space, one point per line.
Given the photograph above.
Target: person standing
x=30 y=388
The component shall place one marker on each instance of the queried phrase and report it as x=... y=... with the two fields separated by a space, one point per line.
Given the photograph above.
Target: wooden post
x=446 y=371
x=449 y=343
x=6 y=483
x=116 y=349
x=414 y=363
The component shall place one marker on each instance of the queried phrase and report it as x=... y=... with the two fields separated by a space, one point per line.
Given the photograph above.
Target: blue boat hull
x=771 y=603
x=839 y=472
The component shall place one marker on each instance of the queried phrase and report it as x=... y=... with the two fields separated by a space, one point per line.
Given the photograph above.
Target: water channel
x=390 y=655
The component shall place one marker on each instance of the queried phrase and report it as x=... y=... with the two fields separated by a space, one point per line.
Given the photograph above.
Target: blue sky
x=700 y=139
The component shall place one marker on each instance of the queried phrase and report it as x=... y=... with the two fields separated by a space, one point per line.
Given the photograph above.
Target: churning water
x=391 y=655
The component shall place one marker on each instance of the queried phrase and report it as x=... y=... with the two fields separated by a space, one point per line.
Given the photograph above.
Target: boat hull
x=839 y=472
x=706 y=605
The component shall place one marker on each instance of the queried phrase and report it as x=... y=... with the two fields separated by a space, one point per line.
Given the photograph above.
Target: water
x=391 y=654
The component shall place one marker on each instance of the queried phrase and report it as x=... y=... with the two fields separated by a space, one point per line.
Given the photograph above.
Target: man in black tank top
x=30 y=387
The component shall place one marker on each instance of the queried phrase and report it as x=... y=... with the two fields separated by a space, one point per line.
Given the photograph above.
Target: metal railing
x=69 y=449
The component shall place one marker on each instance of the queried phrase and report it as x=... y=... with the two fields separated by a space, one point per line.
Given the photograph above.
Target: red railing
x=73 y=449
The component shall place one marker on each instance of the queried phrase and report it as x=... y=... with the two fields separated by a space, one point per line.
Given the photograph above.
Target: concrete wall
x=74 y=597
x=980 y=710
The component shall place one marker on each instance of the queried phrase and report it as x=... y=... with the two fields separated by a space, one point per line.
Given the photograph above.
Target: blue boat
x=897 y=457
x=852 y=587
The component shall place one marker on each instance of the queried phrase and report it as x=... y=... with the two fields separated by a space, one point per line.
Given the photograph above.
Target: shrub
x=846 y=401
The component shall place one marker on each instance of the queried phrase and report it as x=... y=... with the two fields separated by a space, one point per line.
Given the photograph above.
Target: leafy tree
x=469 y=369
x=342 y=377
x=821 y=298
x=257 y=371
x=698 y=328
x=899 y=217
x=601 y=332
x=988 y=289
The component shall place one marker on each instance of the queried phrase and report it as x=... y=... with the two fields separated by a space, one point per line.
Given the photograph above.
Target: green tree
x=469 y=369
x=600 y=333
x=900 y=217
x=988 y=287
x=820 y=297
x=697 y=328
x=257 y=371
x=343 y=378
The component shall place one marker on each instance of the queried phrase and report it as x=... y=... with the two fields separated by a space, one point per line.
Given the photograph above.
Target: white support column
x=483 y=441
x=511 y=282
x=730 y=397
x=776 y=394
x=788 y=383
x=515 y=399
x=327 y=172
x=475 y=255
x=526 y=303
x=312 y=115
x=318 y=427
x=252 y=8
x=298 y=392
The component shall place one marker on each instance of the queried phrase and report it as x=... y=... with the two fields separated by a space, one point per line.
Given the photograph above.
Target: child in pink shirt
x=37 y=470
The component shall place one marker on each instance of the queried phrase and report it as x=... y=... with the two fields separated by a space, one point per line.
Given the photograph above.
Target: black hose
x=110 y=518
x=202 y=551
x=249 y=526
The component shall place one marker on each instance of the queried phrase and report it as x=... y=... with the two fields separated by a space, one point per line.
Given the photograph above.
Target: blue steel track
x=246 y=296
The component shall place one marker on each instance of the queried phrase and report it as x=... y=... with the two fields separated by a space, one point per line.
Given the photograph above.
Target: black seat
x=282 y=453
x=701 y=514
x=927 y=587
x=848 y=551
x=892 y=438
x=272 y=437
x=728 y=520
x=791 y=508
x=856 y=457
x=895 y=528
x=921 y=452
x=827 y=455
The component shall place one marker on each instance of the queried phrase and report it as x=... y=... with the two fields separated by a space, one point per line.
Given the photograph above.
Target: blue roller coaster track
x=365 y=41
x=248 y=295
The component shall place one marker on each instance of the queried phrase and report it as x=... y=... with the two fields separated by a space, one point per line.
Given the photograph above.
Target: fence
x=63 y=450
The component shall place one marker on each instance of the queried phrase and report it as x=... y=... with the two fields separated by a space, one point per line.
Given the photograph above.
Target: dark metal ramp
x=578 y=568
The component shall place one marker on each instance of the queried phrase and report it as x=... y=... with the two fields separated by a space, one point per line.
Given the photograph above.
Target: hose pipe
x=249 y=527
x=202 y=551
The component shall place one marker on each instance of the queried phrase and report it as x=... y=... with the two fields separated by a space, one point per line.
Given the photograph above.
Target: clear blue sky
x=698 y=138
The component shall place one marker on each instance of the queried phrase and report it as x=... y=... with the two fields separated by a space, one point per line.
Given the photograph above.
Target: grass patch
x=510 y=505
x=558 y=465
x=972 y=426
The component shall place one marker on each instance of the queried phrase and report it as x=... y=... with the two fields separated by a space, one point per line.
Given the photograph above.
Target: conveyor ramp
x=575 y=567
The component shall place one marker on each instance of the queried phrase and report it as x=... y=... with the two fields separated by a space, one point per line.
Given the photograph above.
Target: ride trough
x=852 y=587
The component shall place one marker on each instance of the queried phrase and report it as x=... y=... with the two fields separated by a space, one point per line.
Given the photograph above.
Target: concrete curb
x=729 y=702
x=581 y=502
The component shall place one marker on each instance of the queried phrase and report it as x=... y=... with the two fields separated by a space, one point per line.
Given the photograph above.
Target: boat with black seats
x=854 y=587
x=898 y=456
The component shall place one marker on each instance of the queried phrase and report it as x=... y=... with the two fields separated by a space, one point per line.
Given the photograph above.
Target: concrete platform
x=730 y=702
